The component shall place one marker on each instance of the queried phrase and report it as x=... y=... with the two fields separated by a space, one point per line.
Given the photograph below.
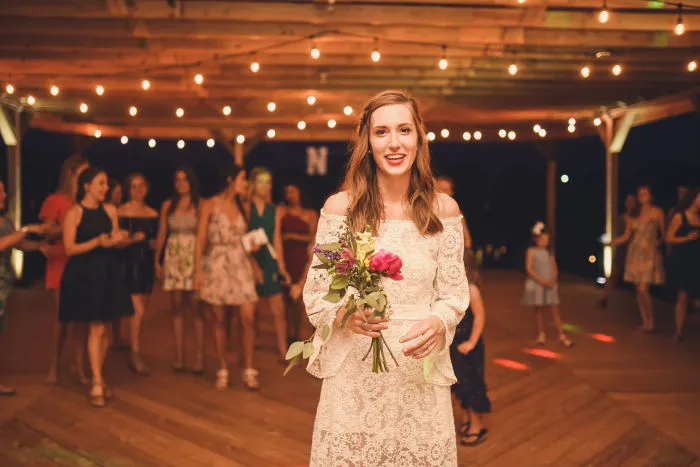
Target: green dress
x=271 y=284
x=7 y=275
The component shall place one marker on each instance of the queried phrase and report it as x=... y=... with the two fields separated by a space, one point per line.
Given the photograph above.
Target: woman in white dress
x=403 y=417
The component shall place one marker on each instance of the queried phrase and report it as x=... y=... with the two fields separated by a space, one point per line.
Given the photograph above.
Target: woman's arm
x=673 y=226
x=70 y=227
x=662 y=224
x=624 y=238
x=530 y=270
x=12 y=240
x=555 y=270
x=478 y=310
x=205 y=208
x=467 y=235
x=277 y=242
x=160 y=237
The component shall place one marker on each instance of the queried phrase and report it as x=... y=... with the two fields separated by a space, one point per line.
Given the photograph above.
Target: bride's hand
x=363 y=326
x=424 y=336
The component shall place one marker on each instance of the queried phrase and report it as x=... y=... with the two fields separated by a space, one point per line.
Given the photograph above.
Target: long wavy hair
x=69 y=167
x=194 y=189
x=366 y=205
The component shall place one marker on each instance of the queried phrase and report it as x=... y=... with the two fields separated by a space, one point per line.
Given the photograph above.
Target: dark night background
x=501 y=187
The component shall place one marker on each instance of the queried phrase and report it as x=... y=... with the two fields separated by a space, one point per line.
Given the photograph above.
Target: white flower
x=538 y=228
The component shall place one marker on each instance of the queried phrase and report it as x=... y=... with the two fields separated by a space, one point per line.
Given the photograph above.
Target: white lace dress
x=403 y=417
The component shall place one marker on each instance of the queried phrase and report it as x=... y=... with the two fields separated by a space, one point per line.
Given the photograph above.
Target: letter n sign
x=316 y=160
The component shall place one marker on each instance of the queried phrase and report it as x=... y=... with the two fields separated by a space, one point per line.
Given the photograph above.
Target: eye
x=405 y=130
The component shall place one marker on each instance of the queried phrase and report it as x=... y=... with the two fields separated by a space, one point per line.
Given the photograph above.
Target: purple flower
x=346 y=263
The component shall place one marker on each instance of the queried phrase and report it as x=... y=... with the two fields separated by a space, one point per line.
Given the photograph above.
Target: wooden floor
x=634 y=401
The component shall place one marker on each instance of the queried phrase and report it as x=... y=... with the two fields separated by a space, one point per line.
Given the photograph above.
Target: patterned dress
x=535 y=293
x=7 y=273
x=644 y=263
x=227 y=275
x=403 y=417
x=178 y=264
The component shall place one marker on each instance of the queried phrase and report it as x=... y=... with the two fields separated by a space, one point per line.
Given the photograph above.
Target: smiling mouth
x=395 y=157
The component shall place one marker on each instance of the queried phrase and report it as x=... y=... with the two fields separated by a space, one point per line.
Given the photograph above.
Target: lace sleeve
x=451 y=291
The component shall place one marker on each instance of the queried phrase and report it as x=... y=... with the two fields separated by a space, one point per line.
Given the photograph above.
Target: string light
x=315 y=53
x=477 y=135
x=98 y=134
x=445 y=133
x=692 y=66
x=604 y=14
x=679 y=30
x=591 y=259
x=466 y=136
x=617 y=70
x=597 y=121
x=199 y=78
x=521 y=2
x=375 y=55
x=240 y=139
x=347 y=110
x=151 y=143
x=564 y=178
x=271 y=133
x=271 y=106
x=431 y=136
x=10 y=89
x=31 y=100
x=542 y=132
x=125 y=139
x=226 y=110
x=443 y=64
x=571 y=128
x=99 y=90
x=211 y=143
x=179 y=112
x=83 y=107
x=536 y=128
x=572 y=121
x=331 y=123
x=254 y=65
x=585 y=72
x=146 y=85
x=511 y=135
x=54 y=90
x=301 y=124
x=513 y=69
x=181 y=144
x=502 y=133
x=311 y=100
x=133 y=111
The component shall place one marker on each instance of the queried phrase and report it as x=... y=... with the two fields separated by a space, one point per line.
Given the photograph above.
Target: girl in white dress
x=403 y=417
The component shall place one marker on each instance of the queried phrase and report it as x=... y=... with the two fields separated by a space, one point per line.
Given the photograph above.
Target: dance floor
x=618 y=398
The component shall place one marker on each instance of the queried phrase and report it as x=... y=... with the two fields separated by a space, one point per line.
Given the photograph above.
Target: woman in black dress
x=141 y=221
x=684 y=258
x=93 y=287
x=468 y=354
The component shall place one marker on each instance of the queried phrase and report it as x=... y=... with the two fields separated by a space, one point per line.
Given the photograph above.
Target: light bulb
x=679 y=30
x=445 y=133
x=477 y=135
x=254 y=66
x=181 y=144
x=331 y=123
x=376 y=56
x=572 y=121
x=692 y=66
x=502 y=133
x=604 y=15
x=511 y=135
x=271 y=133
x=146 y=85
x=240 y=139
x=536 y=128
x=133 y=111
x=151 y=143
x=347 y=110
x=571 y=128
x=617 y=70
x=271 y=106
x=597 y=121
x=311 y=100
x=98 y=134
x=315 y=53
x=431 y=136
x=179 y=112
x=54 y=90
x=443 y=63
x=226 y=110
x=31 y=100
x=542 y=132
x=125 y=139
x=198 y=78
x=466 y=136
x=83 y=107
x=211 y=143
x=585 y=72
x=10 y=89
x=301 y=125
x=99 y=90
x=564 y=178
x=513 y=69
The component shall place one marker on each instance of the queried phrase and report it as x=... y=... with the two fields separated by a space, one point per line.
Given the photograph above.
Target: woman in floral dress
x=178 y=225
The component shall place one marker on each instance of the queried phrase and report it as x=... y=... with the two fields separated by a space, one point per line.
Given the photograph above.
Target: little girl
x=541 y=288
x=467 y=354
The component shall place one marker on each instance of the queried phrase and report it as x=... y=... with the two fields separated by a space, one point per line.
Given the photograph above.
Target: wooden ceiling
x=77 y=45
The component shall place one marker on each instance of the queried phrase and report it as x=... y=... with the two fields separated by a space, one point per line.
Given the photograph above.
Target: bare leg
x=96 y=352
x=79 y=340
x=276 y=304
x=178 y=317
x=136 y=363
x=248 y=321
x=644 y=304
x=476 y=425
x=681 y=310
x=219 y=335
x=199 y=336
x=60 y=335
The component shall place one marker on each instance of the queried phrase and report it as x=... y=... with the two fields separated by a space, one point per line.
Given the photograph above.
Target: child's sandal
x=474 y=439
x=566 y=342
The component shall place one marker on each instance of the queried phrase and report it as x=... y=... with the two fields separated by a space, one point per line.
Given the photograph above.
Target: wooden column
x=11 y=124
x=549 y=152
x=238 y=153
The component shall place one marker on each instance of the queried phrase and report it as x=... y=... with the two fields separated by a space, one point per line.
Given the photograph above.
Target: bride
x=403 y=417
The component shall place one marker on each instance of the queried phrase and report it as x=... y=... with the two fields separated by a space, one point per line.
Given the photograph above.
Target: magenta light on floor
x=543 y=353
x=510 y=364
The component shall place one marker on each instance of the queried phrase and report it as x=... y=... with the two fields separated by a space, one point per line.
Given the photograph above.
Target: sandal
x=541 y=339
x=250 y=379
x=137 y=366
x=566 y=342
x=97 y=400
x=464 y=428
x=474 y=439
x=221 y=379
x=107 y=391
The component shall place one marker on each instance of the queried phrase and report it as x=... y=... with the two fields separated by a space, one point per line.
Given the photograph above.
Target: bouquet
x=356 y=270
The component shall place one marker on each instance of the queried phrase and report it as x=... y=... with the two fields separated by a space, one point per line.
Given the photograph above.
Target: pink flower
x=346 y=263
x=387 y=264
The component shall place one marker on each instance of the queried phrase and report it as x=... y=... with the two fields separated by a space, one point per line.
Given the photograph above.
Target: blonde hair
x=68 y=169
x=366 y=206
x=254 y=174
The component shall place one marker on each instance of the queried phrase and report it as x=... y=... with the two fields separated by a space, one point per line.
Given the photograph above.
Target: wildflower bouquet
x=356 y=270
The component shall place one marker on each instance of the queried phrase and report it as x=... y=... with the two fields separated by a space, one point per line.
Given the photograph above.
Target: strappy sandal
x=565 y=341
x=474 y=439
x=250 y=379
x=97 y=400
x=221 y=379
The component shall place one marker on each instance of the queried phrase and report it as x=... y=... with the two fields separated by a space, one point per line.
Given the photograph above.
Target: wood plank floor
x=634 y=401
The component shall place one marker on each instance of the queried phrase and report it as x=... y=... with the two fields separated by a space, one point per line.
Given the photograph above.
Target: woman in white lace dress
x=403 y=417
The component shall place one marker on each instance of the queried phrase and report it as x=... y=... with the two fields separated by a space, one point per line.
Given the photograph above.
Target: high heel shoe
x=250 y=379
x=221 y=379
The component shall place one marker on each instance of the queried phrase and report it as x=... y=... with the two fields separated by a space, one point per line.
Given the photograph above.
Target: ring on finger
x=363 y=326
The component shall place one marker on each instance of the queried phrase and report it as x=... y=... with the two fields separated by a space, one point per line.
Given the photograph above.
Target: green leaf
x=295 y=349
x=321 y=257
x=334 y=246
x=291 y=365
x=325 y=332
x=308 y=350
x=332 y=297
x=340 y=282
x=321 y=266
x=373 y=300
x=382 y=302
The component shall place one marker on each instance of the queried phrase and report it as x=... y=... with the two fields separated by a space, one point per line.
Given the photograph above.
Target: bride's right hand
x=362 y=325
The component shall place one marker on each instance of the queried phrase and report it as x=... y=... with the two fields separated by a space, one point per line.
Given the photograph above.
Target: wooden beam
x=14 y=181
x=621 y=131
x=611 y=180
x=7 y=127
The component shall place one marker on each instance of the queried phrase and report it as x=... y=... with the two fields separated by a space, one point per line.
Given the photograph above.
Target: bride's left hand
x=425 y=336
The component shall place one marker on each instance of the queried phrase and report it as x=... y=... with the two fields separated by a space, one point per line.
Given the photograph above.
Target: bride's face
x=393 y=139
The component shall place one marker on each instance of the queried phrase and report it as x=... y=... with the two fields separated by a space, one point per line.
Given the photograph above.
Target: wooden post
x=11 y=123
x=238 y=153
x=548 y=150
